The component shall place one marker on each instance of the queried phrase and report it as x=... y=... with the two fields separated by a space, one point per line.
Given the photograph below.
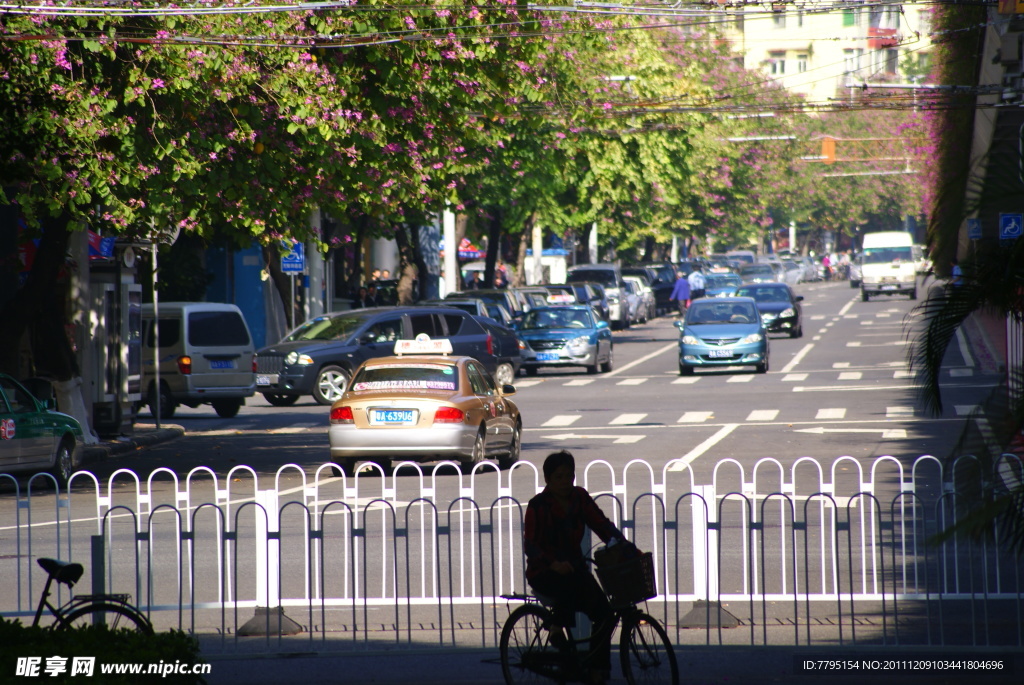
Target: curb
x=144 y=436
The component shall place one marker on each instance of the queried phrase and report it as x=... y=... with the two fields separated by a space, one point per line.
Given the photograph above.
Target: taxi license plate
x=222 y=364
x=720 y=353
x=888 y=287
x=392 y=416
x=547 y=356
x=270 y=379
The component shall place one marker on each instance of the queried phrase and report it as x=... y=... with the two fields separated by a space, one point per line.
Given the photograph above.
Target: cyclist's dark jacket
x=552 y=534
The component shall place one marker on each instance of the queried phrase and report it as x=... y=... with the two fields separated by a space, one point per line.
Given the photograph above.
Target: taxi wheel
x=797 y=332
x=63 y=464
x=685 y=370
x=331 y=383
x=607 y=366
x=514 y=449
x=479 y=451
x=280 y=400
x=762 y=368
x=504 y=375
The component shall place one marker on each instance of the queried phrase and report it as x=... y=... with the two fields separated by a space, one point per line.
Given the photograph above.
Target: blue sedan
x=720 y=332
x=565 y=336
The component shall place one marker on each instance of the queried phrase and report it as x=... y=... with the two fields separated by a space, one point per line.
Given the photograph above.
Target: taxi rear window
x=407 y=377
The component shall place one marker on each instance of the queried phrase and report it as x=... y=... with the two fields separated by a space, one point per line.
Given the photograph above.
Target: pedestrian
x=500 y=275
x=697 y=284
x=681 y=293
x=475 y=281
x=371 y=295
x=827 y=264
x=552 y=532
x=362 y=299
x=385 y=275
x=374 y=275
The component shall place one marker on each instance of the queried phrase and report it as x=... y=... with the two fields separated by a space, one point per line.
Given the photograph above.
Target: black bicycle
x=114 y=611
x=535 y=646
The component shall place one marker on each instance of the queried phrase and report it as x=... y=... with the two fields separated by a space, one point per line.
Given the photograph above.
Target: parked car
x=721 y=284
x=34 y=437
x=758 y=273
x=474 y=306
x=632 y=294
x=501 y=296
x=780 y=308
x=530 y=297
x=206 y=356
x=593 y=294
x=793 y=273
x=560 y=294
x=319 y=356
x=662 y=276
x=565 y=336
x=643 y=286
x=610 y=276
x=424 y=407
x=506 y=348
x=722 y=331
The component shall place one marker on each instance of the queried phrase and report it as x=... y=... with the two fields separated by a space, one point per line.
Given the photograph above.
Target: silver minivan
x=206 y=353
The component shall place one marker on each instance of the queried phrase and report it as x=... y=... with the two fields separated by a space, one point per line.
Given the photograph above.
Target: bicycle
x=535 y=646
x=114 y=611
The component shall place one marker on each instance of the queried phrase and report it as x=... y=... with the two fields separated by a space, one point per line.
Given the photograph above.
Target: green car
x=34 y=437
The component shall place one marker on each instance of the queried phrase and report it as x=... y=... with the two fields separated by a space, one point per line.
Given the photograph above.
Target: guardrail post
x=269 y=619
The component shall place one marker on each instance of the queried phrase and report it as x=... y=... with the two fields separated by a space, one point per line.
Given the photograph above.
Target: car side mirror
x=601 y=324
x=679 y=325
x=799 y=298
x=508 y=389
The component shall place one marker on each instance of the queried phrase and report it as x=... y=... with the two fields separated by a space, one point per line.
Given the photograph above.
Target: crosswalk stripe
x=741 y=379
x=903 y=374
x=626 y=419
x=631 y=381
x=763 y=415
x=898 y=412
x=867 y=323
x=695 y=416
x=580 y=381
x=841 y=365
x=795 y=377
x=562 y=420
x=528 y=384
x=851 y=376
x=837 y=413
x=686 y=380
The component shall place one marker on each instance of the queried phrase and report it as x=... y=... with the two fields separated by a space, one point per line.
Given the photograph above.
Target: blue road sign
x=974 y=229
x=295 y=261
x=1010 y=226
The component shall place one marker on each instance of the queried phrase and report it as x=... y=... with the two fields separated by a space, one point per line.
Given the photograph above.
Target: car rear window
x=443 y=377
x=217 y=329
x=606 y=276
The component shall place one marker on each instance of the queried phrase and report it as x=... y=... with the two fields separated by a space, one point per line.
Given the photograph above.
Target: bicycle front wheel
x=527 y=654
x=646 y=653
x=113 y=616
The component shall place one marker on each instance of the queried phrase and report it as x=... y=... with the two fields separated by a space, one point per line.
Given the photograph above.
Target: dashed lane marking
x=562 y=420
x=851 y=376
x=632 y=381
x=763 y=415
x=835 y=413
x=626 y=419
x=791 y=377
x=695 y=416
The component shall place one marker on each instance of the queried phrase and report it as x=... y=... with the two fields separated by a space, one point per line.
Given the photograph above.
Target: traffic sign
x=295 y=261
x=974 y=229
x=1010 y=226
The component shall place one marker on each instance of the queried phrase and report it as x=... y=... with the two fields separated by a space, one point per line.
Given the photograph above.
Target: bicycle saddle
x=62 y=571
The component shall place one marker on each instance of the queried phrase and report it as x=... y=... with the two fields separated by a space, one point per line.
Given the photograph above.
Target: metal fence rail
x=804 y=553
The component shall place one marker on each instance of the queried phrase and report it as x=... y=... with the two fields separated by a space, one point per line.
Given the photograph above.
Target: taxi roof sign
x=423 y=345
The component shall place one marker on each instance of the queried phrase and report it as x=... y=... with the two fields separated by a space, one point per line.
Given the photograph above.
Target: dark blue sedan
x=565 y=336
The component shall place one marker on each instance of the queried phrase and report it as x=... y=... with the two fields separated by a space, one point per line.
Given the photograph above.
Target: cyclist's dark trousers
x=579 y=591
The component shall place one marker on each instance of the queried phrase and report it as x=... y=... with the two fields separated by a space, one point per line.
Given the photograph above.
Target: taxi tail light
x=490 y=344
x=185 y=365
x=342 y=415
x=449 y=415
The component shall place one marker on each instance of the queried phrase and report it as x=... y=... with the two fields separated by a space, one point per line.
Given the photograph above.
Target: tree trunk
x=407 y=241
x=519 y=278
x=494 y=230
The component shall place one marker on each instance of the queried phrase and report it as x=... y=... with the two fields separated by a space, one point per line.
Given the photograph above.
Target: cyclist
x=555 y=567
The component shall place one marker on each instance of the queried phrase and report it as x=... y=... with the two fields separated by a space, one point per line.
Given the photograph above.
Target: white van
x=887 y=265
x=207 y=356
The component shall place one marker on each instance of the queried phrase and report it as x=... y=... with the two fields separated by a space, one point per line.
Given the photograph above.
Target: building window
x=801 y=63
x=892 y=60
x=800 y=18
x=848 y=61
x=778 y=62
x=849 y=17
x=779 y=20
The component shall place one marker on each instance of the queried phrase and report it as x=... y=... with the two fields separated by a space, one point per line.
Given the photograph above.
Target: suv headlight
x=296 y=358
x=752 y=338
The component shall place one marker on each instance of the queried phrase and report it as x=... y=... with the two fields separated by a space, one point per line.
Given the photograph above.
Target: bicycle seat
x=62 y=571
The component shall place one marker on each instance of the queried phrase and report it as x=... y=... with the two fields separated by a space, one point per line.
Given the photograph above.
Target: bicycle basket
x=629 y=582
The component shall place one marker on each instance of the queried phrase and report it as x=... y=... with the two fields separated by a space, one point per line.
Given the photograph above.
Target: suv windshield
x=327 y=328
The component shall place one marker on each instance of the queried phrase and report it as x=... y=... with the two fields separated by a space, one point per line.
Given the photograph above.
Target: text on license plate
x=400 y=416
x=270 y=379
x=888 y=287
x=720 y=353
x=222 y=363
x=547 y=356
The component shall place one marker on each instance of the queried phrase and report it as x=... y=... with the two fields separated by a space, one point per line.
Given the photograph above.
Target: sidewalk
x=143 y=436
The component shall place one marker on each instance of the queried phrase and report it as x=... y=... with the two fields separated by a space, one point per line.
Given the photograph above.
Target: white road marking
x=580 y=381
x=961 y=342
x=795 y=377
x=887 y=433
x=851 y=376
x=898 y=412
x=855 y=343
x=683 y=461
x=867 y=322
x=960 y=373
x=632 y=381
x=641 y=360
x=741 y=379
x=841 y=365
x=847 y=388
x=846 y=307
x=617 y=439
x=838 y=413
x=817 y=317
x=686 y=380
x=562 y=420
x=695 y=416
x=528 y=384
x=763 y=415
x=798 y=358
x=903 y=374
x=625 y=419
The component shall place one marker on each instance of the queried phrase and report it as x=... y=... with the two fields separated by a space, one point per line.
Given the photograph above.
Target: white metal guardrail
x=799 y=553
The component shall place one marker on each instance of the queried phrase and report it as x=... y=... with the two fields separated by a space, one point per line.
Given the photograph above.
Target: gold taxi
x=423 y=404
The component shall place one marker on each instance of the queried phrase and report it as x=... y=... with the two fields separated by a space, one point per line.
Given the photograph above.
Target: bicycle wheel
x=646 y=653
x=527 y=655
x=114 y=616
